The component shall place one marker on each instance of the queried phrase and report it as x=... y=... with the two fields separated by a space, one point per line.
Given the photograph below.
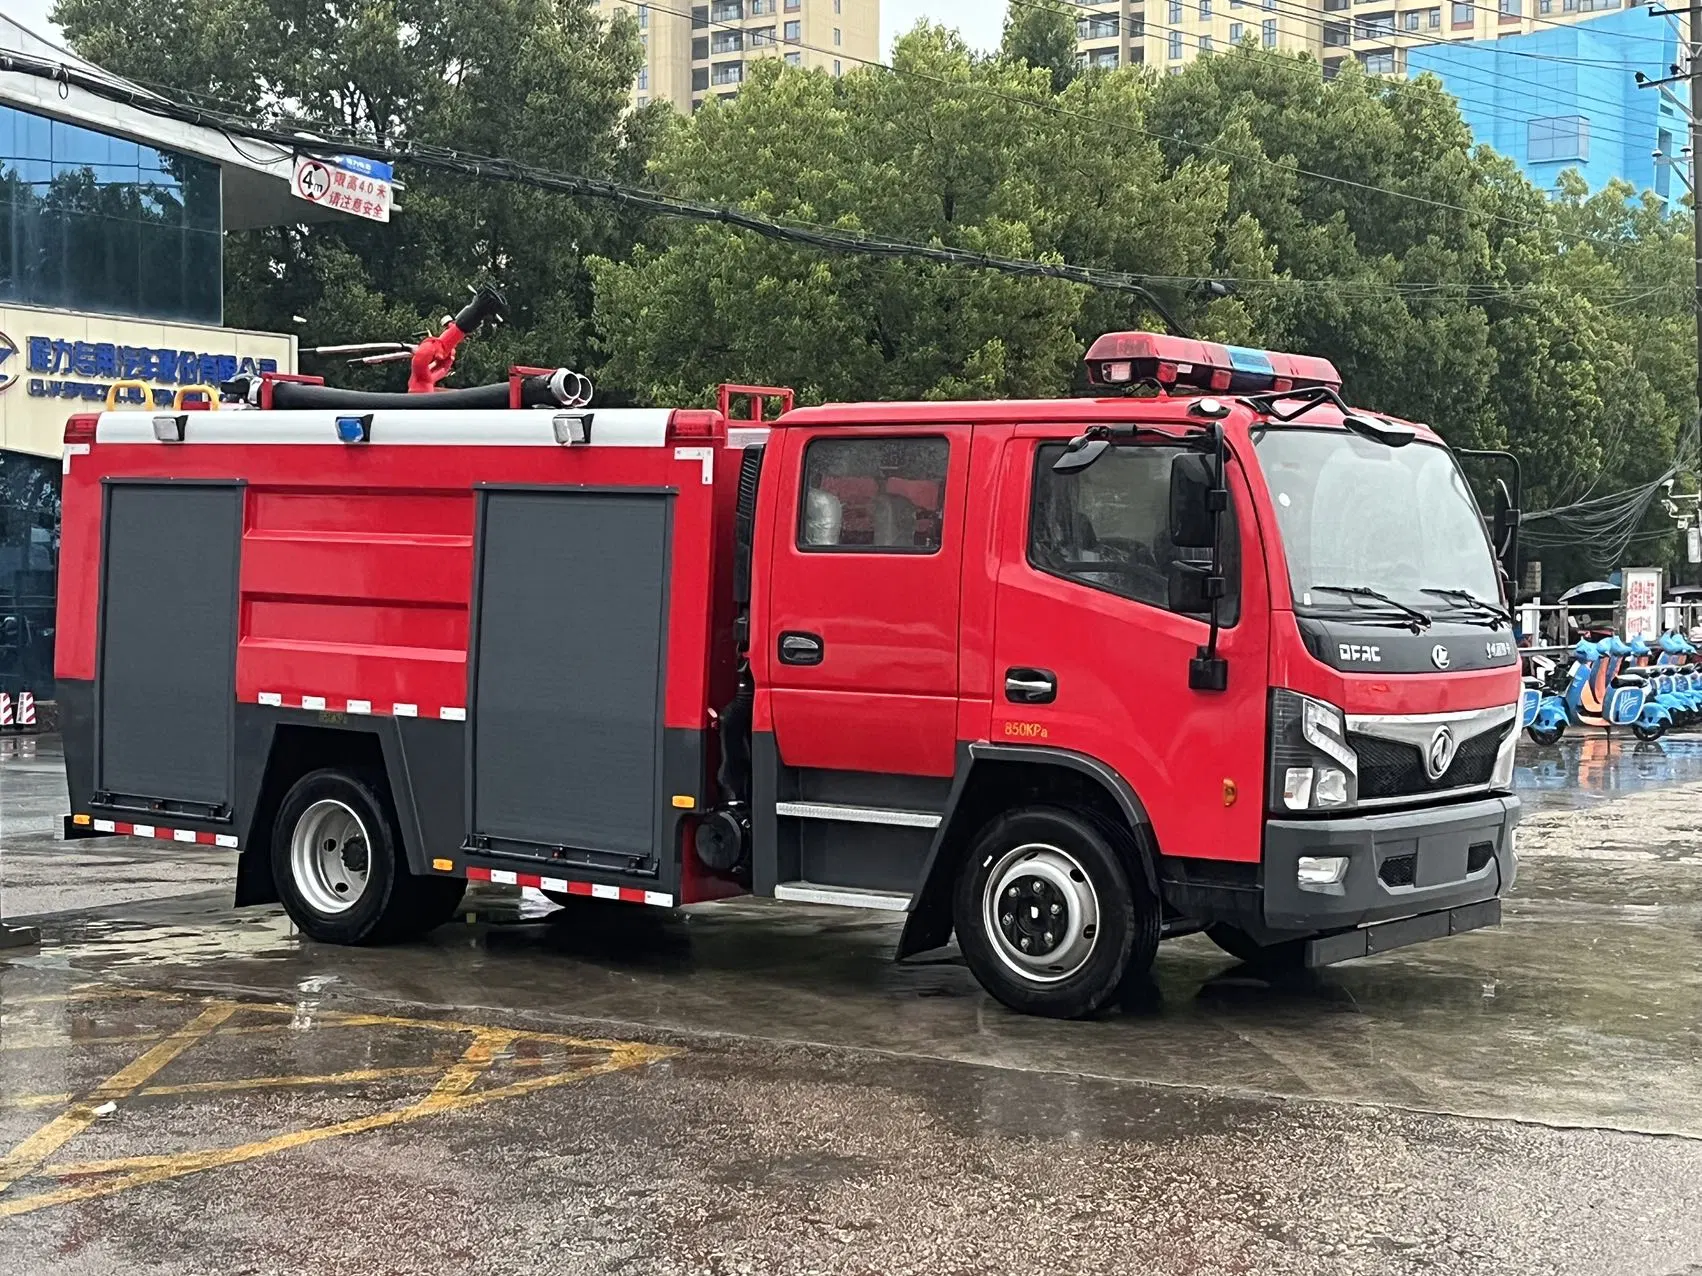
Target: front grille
x=1388 y=768
x=1398 y=870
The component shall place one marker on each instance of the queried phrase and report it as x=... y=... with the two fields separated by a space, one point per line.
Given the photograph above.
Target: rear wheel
x=1286 y=954
x=1048 y=914
x=338 y=863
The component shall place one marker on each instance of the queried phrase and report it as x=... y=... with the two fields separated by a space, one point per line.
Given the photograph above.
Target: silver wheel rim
x=330 y=856
x=1040 y=912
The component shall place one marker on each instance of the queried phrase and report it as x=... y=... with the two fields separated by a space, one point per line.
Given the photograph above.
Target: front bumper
x=1401 y=864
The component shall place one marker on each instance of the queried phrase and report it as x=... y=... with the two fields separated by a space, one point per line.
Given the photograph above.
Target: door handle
x=800 y=649
x=1031 y=686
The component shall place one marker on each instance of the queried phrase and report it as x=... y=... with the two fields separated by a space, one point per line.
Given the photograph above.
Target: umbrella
x=1684 y=591
x=1590 y=588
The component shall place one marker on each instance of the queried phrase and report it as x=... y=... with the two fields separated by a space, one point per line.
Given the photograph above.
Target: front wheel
x=1651 y=731
x=1050 y=917
x=1546 y=735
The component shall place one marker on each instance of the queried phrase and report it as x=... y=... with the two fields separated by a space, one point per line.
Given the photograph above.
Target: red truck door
x=863 y=598
x=1089 y=658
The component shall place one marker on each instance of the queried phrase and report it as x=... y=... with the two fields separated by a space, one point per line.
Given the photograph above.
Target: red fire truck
x=1209 y=651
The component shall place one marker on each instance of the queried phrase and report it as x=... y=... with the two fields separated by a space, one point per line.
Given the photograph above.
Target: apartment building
x=1545 y=82
x=1171 y=33
x=697 y=51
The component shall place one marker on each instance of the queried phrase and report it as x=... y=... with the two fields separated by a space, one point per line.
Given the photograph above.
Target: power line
x=287 y=143
x=1402 y=84
x=1536 y=19
x=1309 y=17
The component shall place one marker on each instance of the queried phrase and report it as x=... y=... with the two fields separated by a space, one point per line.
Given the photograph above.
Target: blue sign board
x=376 y=169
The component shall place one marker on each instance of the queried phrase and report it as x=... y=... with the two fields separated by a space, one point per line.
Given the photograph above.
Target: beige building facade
x=1168 y=34
x=55 y=363
x=694 y=52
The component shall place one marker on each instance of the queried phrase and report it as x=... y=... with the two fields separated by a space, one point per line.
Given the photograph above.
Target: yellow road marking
x=473 y=1063
x=358 y=1076
x=77 y=1118
x=36 y=1100
x=159 y=1169
x=453 y=1092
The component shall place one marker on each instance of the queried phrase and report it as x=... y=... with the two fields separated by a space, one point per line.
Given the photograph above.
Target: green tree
x=947 y=149
x=1042 y=33
x=546 y=81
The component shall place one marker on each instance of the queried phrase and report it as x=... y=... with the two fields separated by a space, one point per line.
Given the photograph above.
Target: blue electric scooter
x=1670 y=685
x=1595 y=693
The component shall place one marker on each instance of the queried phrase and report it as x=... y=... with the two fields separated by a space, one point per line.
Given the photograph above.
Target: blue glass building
x=112 y=223
x=89 y=221
x=1564 y=96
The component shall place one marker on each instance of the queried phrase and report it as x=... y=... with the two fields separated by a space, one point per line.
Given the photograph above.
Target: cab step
x=842 y=896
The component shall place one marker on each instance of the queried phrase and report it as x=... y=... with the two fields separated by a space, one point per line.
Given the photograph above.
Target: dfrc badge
x=1362 y=654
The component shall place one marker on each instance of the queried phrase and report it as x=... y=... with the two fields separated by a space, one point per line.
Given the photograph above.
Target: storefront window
x=99 y=223
x=29 y=562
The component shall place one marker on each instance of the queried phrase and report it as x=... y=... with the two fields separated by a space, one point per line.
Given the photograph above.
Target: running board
x=842 y=896
x=857 y=814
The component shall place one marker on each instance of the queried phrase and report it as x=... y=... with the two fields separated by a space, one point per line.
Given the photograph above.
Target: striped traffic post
x=12 y=936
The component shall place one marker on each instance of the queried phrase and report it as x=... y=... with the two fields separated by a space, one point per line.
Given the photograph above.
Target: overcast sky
x=981 y=21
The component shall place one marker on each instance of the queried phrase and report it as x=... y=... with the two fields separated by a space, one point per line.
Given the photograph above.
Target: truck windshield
x=1361 y=520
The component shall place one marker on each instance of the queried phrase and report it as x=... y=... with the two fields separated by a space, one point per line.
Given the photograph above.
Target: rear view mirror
x=1193 y=485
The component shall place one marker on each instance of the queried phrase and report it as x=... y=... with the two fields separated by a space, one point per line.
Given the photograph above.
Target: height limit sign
x=347 y=183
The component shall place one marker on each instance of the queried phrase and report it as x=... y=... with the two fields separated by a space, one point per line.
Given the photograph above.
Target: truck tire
x=1286 y=954
x=338 y=863
x=1050 y=919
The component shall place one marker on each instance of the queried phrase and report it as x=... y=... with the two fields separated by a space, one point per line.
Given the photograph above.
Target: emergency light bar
x=1184 y=364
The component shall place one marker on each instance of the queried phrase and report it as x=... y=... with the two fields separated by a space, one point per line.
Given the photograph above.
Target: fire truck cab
x=1211 y=651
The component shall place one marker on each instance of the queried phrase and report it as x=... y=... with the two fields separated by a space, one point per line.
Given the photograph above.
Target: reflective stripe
x=561 y=886
x=198 y=837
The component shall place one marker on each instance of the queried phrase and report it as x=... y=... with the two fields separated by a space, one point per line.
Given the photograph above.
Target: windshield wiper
x=1500 y=614
x=1419 y=619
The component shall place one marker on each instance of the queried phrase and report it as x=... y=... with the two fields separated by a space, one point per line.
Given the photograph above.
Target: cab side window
x=873 y=495
x=1108 y=526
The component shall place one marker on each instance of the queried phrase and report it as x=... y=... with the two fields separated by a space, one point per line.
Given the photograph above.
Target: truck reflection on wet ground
x=1589 y=765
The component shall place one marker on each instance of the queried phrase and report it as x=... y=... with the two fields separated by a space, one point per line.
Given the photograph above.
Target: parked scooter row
x=1649 y=687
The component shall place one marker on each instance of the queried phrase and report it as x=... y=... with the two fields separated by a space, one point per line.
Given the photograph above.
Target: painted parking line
x=459 y=1083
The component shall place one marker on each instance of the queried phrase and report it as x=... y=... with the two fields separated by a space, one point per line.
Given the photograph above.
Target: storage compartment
x=165 y=698
x=568 y=660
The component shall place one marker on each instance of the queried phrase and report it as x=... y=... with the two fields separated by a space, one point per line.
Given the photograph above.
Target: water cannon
x=487 y=306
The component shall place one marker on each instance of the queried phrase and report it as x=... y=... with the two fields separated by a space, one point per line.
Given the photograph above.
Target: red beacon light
x=1182 y=364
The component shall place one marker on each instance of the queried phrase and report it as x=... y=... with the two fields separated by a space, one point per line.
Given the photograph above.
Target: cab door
x=863 y=599
x=1089 y=657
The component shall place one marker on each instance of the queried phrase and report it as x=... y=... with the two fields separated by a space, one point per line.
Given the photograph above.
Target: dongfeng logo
x=1439 y=656
x=10 y=365
x=1440 y=755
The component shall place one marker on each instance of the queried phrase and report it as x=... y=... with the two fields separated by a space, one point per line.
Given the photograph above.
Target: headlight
x=1312 y=766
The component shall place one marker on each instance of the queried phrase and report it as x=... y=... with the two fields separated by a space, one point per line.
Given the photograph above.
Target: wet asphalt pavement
x=186 y=1088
